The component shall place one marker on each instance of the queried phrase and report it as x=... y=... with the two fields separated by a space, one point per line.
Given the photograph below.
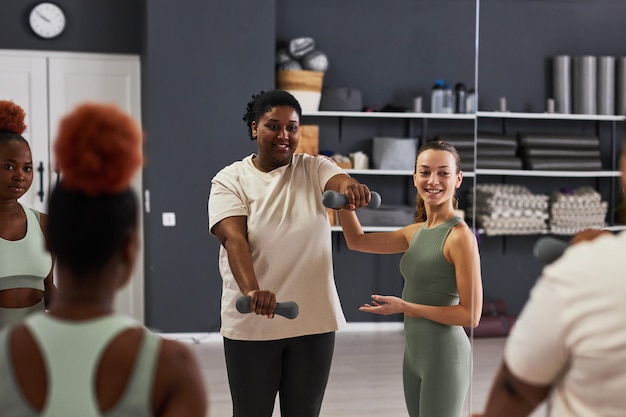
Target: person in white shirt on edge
x=568 y=346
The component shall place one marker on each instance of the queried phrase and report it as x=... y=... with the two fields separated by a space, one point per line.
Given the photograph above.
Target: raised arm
x=232 y=233
x=378 y=242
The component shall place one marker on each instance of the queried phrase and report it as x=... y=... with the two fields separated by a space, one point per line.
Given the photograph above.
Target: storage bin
x=394 y=153
x=386 y=215
x=306 y=86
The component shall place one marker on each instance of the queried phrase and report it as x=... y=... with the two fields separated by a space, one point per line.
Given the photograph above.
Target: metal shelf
x=398 y=172
x=556 y=174
x=390 y=115
x=550 y=116
x=465 y=116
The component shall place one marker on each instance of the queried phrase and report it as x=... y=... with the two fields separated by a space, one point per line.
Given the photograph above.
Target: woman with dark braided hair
x=442 y=285
x=83 y=359
x=266 y=211
x=25 y=264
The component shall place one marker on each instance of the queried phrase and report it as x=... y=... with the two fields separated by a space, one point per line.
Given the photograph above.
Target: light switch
x=169 y=219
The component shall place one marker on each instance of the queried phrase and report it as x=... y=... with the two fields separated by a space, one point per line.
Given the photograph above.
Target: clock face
x=47 y=20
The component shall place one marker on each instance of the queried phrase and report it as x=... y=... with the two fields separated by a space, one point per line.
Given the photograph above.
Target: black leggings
x=297 y=368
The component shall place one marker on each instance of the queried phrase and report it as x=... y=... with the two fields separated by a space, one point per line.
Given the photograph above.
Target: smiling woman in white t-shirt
x=267 y=213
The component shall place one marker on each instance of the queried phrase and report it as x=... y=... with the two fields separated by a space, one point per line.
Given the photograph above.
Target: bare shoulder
x=176 y=363
x=462 y=234
x=175 y=353
x=463 y=227
x=411 y=229
x=179 y=386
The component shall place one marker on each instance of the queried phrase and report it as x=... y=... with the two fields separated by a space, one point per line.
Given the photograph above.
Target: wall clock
x=47 y=20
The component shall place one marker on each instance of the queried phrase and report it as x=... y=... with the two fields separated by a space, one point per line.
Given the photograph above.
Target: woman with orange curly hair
x=25 y=264
x=83 y=359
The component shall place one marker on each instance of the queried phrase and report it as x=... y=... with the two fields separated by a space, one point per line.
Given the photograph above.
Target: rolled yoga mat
x=620 y=80
x=562 y=83
x=606 y=85
x=585 y=84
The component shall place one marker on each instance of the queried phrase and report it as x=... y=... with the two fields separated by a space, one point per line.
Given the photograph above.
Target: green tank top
x=428 y=276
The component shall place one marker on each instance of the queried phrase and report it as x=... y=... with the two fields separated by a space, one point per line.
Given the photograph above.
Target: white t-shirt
x=572 y=332
x=290 y=242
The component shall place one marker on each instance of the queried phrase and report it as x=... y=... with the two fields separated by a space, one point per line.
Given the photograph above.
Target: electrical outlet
x=169 y=219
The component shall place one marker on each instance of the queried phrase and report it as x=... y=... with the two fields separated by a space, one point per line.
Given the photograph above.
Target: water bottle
x=459 y=98
x=471 y=104
x=448 y=100
x=436 y=97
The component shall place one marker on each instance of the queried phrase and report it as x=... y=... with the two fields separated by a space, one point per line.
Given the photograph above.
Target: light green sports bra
x=71 y=351
x=25 y=263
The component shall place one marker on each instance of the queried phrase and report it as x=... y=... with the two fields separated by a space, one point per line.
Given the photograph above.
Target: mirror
x=392 y=53
x=516 y=66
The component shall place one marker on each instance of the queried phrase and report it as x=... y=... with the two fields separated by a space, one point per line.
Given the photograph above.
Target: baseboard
x=196 y=338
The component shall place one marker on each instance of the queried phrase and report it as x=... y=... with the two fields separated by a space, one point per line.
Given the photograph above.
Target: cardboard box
x=309 y=139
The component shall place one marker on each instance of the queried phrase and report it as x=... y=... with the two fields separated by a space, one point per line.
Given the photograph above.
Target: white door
x=49 y=85
x=74 y=79
x=23 y=80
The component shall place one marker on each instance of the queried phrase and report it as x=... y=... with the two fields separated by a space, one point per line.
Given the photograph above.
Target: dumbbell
x=333 y=199
x=287 y=309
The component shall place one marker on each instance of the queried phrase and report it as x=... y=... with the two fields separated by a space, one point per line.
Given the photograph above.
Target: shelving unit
x=611 y=173
x=407 y=116
x=411 y=116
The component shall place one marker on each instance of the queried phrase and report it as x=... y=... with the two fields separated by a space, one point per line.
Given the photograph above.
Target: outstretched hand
x=384 y=305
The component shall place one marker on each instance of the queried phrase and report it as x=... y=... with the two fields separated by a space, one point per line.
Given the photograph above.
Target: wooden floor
x=365 y=378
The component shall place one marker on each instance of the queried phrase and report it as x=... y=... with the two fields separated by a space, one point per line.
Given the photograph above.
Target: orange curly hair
x=11 y=117
x=98 y=149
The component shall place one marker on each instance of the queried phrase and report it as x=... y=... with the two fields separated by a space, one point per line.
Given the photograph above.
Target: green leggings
x=436 y=368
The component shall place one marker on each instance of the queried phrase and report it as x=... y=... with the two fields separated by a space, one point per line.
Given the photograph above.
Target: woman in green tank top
x=443 y=286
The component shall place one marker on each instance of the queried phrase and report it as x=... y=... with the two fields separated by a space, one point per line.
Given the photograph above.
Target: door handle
x=40 y=193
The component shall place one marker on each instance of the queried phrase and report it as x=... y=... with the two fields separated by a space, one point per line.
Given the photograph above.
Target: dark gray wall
x=203 y=60
x=391 y=51
x=517 y=38
x=109 y=26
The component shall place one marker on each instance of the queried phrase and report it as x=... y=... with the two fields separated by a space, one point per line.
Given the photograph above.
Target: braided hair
x=12 y=124
x=438 y=144
x=93 y=209
x=264 y=102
